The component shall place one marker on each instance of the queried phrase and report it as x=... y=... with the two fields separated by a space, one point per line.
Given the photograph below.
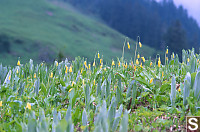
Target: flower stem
x=138 y=40
x=123 y=50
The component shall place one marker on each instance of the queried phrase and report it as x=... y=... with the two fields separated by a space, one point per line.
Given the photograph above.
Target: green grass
x=35 y=34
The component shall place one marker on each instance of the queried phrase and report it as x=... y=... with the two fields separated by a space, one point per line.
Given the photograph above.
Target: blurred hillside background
x=45 y=30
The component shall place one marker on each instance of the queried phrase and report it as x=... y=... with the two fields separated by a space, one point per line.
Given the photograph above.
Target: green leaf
x=171 y=62
x=117 y=118
x=187 y=87
x=173 y=91
x=134 y=93
x=84 y=121
x=121 y=76
x=32 y=125
x=164 y=88
x=193 y=64
x=37 y=86
x=130 y=87
x=124 y=122
x=87 y=95
x=43 y=89
x=68 y=114
x=62 y=82
x=108 y=82
x=142 y=80
x=98 y=87
x=157 y=83
x=144 y=94
x=62 y=126
x=193 y=75
x=138 y=128
x=196 y=86
x=112 y=111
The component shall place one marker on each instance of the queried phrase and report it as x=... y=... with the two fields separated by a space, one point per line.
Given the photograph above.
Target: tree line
x=158 y=24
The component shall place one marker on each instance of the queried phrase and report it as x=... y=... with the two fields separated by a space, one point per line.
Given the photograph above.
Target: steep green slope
x=39 y=29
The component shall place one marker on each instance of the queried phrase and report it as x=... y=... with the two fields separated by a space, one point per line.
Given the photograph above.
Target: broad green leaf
x=84 y=121
x=173 y=91
x=187 y=87
x=124 y=122
x=196 y=86
x=193 y=75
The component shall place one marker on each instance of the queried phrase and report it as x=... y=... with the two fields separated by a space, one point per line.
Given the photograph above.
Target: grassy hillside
x=41 y=29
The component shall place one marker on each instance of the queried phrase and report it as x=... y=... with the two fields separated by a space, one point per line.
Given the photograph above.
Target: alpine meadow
x=63 y=69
